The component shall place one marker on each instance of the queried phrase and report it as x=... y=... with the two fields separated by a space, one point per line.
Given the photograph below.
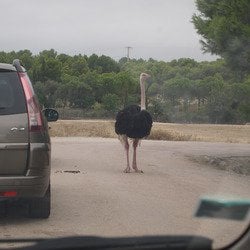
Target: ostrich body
x=134 y=122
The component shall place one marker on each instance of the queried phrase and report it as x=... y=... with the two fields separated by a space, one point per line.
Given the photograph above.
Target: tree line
x=182 y=90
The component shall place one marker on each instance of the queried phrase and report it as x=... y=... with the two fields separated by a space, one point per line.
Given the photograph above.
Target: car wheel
x=40 y=207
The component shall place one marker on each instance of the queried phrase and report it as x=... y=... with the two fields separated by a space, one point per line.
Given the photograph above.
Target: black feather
x=133 y=122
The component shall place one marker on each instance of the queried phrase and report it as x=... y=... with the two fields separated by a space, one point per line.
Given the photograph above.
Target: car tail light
x=34 y=113
x=8 y=194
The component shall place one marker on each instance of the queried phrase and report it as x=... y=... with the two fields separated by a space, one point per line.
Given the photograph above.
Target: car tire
x=40 y=207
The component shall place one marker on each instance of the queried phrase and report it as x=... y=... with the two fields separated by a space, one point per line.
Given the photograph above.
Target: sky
x=158 y=29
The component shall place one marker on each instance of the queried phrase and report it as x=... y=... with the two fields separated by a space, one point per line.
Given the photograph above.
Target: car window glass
x=12 y=99
x=6 y=94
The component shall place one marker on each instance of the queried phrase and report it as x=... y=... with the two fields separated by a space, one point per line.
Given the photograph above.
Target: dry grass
x=209 y=132
x=84 y=128
x=160 y=131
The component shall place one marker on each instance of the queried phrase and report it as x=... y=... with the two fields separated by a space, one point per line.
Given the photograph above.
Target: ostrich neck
x=143 y=100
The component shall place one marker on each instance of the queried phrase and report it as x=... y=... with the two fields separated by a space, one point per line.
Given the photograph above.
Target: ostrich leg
x=126 y=145
x=134 y=165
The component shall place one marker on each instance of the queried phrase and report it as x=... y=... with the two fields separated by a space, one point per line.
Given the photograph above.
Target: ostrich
x=134 y=122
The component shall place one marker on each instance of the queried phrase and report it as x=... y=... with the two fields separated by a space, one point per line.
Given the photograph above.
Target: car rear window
x=12 y=100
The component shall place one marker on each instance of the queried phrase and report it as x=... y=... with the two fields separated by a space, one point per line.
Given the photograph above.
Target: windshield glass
x=153 y=132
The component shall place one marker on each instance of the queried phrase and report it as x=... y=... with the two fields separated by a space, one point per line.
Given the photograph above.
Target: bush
x=111 y=102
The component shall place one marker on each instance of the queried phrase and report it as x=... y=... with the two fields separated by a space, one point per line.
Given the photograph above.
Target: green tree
x=73 y=65
x=107 y=64
x=241 y=100
x=93 y=64
x=50 y=68
x=103 y=64
x=225 y=27
x=107 y=82
x=92 y=79
x=46 y=67
x=124 y=86
x=48 y=53
x=178 y=89
x=46 y=92
x=78 y=65
x=111 y=102
x=26 y=58
x=75 y=93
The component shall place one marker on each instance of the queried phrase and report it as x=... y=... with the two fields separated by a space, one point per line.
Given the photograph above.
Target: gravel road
x=92 y=195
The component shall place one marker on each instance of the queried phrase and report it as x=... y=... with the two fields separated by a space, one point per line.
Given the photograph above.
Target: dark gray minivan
x=24 y=143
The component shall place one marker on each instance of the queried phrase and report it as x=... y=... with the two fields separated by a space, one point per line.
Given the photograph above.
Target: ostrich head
x=144 y=76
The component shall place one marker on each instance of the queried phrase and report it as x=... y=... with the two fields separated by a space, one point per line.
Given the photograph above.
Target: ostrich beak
x=144 y=76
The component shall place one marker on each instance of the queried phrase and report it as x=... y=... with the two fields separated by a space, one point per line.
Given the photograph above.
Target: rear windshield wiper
x=2 y=107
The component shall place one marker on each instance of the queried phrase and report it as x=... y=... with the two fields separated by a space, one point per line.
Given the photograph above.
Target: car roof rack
x=18 y=65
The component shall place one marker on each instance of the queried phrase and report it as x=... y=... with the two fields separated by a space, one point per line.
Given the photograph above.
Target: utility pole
x=128 y=49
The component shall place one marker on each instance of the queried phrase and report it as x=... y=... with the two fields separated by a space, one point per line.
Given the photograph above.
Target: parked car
x=25 y=148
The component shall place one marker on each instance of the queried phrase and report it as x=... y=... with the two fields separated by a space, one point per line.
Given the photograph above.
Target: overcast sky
x=160 y=29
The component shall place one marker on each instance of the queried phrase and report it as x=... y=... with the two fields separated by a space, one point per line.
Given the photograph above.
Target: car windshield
x=154 y=118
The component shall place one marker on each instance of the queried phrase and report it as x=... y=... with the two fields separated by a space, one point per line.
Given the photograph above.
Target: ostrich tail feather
x=131 y=140
x=123 y=139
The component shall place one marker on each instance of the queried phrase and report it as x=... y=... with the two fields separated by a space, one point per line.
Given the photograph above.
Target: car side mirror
x=51 y=114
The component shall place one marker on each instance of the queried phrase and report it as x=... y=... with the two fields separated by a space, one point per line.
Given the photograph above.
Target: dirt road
x=97 y=198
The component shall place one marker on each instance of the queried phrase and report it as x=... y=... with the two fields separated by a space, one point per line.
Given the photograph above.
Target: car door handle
x=17 y=129
x=14 y=129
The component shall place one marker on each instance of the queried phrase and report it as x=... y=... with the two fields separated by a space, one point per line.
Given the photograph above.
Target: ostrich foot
x=127 y=170
x=137 y=170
